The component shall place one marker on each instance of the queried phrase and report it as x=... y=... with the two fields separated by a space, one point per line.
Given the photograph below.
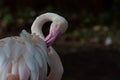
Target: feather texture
x=24 y=71
x=26 y=56
x=23 y=56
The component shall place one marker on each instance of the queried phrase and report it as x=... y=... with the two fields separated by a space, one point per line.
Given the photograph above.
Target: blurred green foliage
x=77 y=19
x=88 y=23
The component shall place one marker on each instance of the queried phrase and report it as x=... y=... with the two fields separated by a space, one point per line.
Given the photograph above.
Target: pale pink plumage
x=25 y=57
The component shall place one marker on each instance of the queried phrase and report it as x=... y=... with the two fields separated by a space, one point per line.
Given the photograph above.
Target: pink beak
x=51 y=37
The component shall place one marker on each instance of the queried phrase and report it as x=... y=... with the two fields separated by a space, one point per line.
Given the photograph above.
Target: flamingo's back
x=23 y=57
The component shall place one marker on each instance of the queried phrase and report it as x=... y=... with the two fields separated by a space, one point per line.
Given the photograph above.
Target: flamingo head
x=57 y=27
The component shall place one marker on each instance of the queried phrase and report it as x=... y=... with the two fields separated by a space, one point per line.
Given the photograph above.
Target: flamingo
x=25 y=57
x=58 y=26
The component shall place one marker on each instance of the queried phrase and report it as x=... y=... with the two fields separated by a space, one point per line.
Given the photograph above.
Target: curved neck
x=39 y=21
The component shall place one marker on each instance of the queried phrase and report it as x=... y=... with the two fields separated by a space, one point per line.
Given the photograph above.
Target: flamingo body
x=23 y=56
x=27 y=56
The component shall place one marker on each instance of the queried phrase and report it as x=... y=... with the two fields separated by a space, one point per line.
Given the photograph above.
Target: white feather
x=24 y=72
x=2 y=59
x=44 y=69
x=14 y=70
x=32 y=65
x=5 y=70
x=34 y=52
x=6 y=47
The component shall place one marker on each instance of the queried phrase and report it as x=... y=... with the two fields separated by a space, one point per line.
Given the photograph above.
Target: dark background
x=83 y=49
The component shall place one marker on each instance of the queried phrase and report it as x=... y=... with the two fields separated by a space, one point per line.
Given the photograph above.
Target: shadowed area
x=95 y=65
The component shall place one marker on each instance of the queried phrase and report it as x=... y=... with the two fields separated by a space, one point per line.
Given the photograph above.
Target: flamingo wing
x=25 y=56
x=36 y=52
